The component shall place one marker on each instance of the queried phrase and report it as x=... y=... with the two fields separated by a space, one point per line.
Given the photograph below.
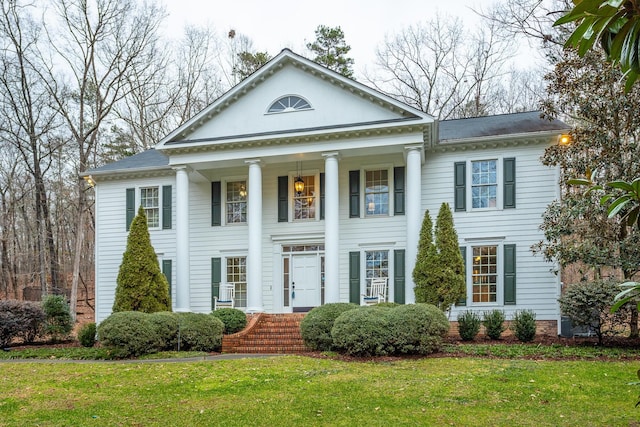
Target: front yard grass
x=299 y=390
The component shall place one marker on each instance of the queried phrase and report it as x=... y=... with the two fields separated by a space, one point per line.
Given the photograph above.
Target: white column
x=414 y=220
x=182 y=239
x=331 y=229
x=254 y=223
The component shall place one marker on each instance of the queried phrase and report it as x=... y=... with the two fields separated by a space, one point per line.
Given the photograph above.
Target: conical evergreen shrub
x=452 y=275
x=141 y=286
x=425 y=272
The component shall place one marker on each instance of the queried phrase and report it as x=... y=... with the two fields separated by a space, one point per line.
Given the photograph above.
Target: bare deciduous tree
x=440 y=68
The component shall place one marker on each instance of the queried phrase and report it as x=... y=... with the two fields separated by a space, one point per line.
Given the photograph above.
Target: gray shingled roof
x=503 y=124
x=149 y=159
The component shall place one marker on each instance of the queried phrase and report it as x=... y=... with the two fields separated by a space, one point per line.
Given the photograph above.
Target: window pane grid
x=484 y=183
x=377 y=192
x=377 y=265
x=484 y=276
x=236 y=202
x=150 y=201
x=304 y=204
x=237 y=274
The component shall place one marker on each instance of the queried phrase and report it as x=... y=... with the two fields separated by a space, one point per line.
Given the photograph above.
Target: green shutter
x=283 y=198
x=463 y=252
x=216 y=204
x=398 y=276
x=322 y=196
x=509 y=171
x=354 y=195
x=166 y=270
x=130 y=206
x=460 y=195
x=216 y=278
x=354 y=277
x=166 y=207
x=509 y=274
x=398 y=191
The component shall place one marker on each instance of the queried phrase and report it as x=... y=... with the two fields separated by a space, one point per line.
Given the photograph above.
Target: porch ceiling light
x=564 y=139
x=298 y=185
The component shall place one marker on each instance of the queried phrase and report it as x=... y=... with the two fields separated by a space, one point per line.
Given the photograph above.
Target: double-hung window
x=377 y=265
x=484 y=274
x=237 y=274
x=150 y=201
x=484 y=184
x=236 y=206
x=376 y=189
x=305 y=201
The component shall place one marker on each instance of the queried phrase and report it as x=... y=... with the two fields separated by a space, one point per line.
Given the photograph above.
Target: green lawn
x=295 y=390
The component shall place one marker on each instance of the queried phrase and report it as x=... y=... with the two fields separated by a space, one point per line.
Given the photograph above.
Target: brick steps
x=267 y=333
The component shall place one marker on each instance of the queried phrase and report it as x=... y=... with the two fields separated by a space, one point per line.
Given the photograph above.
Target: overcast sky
x=276 y=24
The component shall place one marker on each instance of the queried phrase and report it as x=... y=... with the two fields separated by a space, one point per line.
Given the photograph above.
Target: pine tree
x=425 y=274
x=452 y=284
x=331 y=50
x=141 y=286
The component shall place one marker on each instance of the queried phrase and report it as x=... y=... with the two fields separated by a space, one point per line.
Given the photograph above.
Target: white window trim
x=234 y=254
x=499 y=184
x=267 y=112
x=363 y=186
x=499 y=244
x=224 y=198
x=292 y=193
x=138 y=199
x=390 y=270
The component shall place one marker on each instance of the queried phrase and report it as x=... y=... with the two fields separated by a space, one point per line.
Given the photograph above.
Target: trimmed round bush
x=165 y=324
x=316 y=326
x=234 y=320
x=493 y=322
x=199 y=332
x=416 y=328
x=363 y=331
x=129 y=334
x=523 y=325
x=469 y=325
x=87 y=335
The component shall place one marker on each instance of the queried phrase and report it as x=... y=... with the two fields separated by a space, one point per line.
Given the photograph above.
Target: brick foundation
x=543 y=327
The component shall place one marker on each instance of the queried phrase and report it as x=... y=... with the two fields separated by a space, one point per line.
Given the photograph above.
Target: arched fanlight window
x=289 y=103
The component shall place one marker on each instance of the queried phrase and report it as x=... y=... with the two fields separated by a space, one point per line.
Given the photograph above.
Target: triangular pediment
x=332 y=104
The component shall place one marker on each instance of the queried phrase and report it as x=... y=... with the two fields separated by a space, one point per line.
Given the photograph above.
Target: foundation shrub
x=129 y=334
x=588 y=304
x=234 y=320
x=469 y=325
x=493 y=321
x=316 y=326
x=416 y=328
x=363 y=331
x=523 y=325
x=199 y=332
x=165 y=324
x=59 y=323
x=87 y=335
x=24 y=320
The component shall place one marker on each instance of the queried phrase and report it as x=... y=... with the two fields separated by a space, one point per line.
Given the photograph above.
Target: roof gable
x=336 y=103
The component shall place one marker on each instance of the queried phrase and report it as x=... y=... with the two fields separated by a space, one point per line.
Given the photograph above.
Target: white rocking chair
x=377 y=292
x=226 y=296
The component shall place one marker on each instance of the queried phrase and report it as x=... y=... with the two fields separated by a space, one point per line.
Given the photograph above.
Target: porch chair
x=377 y=292
x=226 y=296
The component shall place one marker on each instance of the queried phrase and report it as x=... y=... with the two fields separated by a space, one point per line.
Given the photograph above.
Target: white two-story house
x=300 y=185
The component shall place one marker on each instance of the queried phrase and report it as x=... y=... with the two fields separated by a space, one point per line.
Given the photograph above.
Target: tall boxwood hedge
x=316 y=326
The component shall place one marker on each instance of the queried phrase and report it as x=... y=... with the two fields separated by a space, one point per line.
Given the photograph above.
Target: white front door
x=305 y=281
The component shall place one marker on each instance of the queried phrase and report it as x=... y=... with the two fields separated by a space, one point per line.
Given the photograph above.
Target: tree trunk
x=77 y=259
